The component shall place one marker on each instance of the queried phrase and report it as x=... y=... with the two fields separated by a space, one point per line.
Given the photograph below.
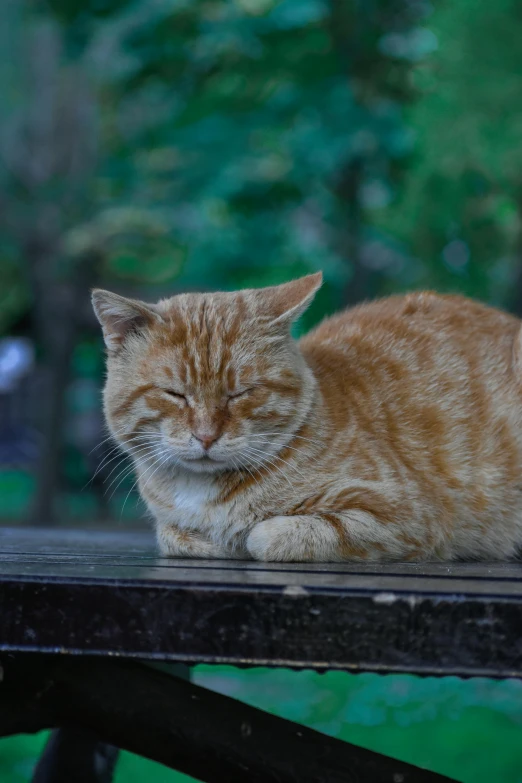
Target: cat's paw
x=173 y=542
x=298 y=539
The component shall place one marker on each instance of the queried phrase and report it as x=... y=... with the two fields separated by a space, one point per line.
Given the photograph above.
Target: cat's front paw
x=173 y=542
x=298 y=539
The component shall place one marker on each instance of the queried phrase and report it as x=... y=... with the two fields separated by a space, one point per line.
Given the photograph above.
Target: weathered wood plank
x=138 y=548
x=86 y=593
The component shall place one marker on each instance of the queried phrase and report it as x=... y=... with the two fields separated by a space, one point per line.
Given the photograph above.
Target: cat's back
x=423 y=329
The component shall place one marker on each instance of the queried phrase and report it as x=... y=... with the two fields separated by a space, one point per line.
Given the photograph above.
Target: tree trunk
x=516 y=299
x=350 y=240
x=56 y=321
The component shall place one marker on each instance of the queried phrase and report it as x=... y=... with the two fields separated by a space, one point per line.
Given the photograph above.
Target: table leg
x=74 y=754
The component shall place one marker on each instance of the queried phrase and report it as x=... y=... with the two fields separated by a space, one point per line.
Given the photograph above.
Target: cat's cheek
x=297 y=539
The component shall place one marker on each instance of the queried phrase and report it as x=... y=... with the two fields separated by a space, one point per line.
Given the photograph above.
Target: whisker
x=262 y=453
x=163 y=462
x=165 y=451
x=140 y=451
x=119 y=431
x=267 y=465
x=111 y=435
x=123 y=475
x=286 y=447
x=103 y=464
x=273 y=464
x=290 y=465
x=148 y=451
x=108 y=458
x=301 y=437
x=245 y=466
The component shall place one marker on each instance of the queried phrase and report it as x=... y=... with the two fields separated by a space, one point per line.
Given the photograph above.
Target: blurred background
x=159 y=146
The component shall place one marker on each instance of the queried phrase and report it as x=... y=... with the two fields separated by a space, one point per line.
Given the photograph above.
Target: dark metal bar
x=204 y=734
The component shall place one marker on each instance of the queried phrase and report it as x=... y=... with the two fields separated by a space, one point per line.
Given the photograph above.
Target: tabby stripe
x=131 y=399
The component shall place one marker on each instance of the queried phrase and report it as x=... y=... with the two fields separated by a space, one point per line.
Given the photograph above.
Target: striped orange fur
x=391 y=431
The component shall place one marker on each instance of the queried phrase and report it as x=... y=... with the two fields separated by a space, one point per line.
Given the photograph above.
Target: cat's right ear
x=119 y=316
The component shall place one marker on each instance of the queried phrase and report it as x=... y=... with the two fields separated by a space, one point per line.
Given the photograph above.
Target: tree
x=459 y=213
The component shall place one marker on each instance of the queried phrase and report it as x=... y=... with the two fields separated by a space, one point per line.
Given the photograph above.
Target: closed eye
x=176 y=395
x=240 y=394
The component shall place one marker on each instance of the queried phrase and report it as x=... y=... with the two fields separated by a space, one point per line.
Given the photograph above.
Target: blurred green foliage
x=216 y=139
x=460 y=211
x=241 y=143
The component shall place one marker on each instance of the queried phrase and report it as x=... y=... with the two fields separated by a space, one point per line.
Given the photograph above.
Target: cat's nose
x=206 y=438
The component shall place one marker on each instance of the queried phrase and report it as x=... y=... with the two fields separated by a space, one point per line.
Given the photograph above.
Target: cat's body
x=391 y=431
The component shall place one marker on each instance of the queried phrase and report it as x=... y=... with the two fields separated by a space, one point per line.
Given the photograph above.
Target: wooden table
x=77 y=607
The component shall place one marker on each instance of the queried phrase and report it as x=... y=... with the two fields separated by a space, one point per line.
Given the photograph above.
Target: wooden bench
x=85 y=614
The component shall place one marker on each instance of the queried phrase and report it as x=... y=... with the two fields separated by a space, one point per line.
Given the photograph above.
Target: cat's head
x=208 y=382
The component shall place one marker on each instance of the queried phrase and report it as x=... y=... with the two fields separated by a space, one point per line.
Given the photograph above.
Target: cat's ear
x=285 y=303
x=119 y=316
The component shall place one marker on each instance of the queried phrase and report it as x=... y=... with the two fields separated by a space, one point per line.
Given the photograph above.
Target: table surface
x=108 y=593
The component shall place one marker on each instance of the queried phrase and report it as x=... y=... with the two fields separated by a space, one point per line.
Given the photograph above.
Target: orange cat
x=391 y=431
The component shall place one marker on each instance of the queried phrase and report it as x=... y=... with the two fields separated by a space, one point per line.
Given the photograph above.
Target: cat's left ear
x=285 y=303
x=120 y=316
